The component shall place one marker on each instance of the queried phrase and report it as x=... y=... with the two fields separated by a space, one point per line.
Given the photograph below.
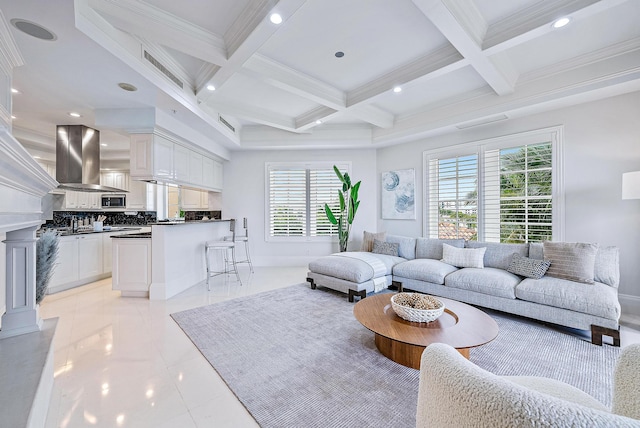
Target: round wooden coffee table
x=462 y=326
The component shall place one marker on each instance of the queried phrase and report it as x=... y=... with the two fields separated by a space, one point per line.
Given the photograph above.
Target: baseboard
x=630 y=305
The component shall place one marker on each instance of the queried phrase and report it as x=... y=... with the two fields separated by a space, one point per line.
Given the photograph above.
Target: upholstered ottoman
x=353 y=273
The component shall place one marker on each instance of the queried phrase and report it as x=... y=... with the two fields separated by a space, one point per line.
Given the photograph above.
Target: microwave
x=114 y=201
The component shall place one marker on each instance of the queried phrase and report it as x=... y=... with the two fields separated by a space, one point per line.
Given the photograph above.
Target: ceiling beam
x=246 y=35
x=150 y=22
x=465 y=28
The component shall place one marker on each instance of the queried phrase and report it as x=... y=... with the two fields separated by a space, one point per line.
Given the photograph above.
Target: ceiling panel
x=374 y=37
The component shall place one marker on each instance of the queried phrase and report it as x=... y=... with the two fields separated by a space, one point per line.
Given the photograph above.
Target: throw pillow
x=463 y=257
x=574 y=261
x=367 y=240
x=530 y=268
x=382 y=247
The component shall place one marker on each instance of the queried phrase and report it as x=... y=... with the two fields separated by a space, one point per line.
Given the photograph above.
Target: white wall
x=244 y=196
x=601 y=141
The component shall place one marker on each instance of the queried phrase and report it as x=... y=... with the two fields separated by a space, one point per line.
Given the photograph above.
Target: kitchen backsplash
x=137 y=218
x=197 y=215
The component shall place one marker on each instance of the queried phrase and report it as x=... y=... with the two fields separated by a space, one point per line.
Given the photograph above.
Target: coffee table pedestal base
x=405 y=353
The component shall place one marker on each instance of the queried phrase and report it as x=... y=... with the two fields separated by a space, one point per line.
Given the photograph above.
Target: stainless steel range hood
x=78 y=159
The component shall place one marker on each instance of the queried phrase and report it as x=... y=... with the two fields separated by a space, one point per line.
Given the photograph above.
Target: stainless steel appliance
x=114 y=201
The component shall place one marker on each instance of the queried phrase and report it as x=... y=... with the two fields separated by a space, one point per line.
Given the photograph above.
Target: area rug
x=297 y=357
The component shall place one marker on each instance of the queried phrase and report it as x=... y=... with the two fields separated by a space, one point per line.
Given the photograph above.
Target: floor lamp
x=631 y=185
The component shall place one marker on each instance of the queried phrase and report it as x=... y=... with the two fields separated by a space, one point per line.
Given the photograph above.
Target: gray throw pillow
x=382 y=247
x=463 y=257
x=530 y=268
x=574 y=261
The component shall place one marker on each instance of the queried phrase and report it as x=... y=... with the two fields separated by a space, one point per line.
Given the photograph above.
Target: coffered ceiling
x=458 y=63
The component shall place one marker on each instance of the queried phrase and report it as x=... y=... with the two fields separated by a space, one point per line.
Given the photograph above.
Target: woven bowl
x=417 y=315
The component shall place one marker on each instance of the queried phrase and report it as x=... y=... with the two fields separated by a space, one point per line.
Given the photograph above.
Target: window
x=297 y=194
x=500 y=190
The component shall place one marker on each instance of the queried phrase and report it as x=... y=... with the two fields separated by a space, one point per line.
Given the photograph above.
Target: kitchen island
x=176 y=260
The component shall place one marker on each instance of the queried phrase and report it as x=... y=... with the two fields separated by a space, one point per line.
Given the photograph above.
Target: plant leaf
x=330 y=216
x=342 y=202
x=338 y=173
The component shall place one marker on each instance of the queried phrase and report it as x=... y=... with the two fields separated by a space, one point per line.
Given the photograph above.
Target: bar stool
x=245 y=240
x=224 y=246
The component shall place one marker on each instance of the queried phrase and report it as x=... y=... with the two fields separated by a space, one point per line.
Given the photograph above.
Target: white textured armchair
x=456 y=393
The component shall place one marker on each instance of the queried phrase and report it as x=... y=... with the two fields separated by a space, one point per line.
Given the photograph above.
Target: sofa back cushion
x=430 y=248
x=607 y=264
x=499 y=255
x=406 y=245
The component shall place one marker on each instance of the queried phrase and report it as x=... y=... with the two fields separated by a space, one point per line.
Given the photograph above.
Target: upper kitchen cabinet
x=117 y=179
x=156 y=158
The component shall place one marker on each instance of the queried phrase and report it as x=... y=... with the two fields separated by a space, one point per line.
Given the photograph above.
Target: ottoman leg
x=397 y=284
x=313 y=284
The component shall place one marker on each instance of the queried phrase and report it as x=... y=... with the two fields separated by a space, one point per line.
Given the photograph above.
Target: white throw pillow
x=463 y=257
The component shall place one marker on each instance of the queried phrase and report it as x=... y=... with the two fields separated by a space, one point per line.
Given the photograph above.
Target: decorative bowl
x=417 y=307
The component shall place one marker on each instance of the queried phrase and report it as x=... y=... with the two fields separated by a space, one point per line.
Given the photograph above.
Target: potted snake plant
x=348 y=207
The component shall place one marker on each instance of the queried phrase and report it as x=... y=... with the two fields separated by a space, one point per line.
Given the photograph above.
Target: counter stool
x=245 y=240
x=224 y=246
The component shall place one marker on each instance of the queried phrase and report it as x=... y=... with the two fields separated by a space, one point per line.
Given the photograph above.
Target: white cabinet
x=117 y=179
x=181 y=157
x=141 y=196
x=71 y=199
x=89 y=255
x=156 y=158
x=195 y=169
x=66 y=267
x=194 y=199
x=49 y=167
x=107 y=244
x=132 y=266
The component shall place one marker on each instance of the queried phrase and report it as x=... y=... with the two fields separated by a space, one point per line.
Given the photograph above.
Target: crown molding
x=10 y=56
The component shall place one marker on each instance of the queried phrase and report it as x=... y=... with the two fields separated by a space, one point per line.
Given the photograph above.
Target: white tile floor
x=124 y=362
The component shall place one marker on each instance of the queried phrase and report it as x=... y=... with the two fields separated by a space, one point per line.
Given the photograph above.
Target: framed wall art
x=398 y=194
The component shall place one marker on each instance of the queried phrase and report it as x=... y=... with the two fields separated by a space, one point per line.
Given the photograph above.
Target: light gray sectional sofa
x=586 y=306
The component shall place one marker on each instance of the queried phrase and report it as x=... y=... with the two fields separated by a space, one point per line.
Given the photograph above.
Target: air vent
x=164 y=70
x=227 y=124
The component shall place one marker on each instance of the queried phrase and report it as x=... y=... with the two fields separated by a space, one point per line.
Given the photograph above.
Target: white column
x=22 y=312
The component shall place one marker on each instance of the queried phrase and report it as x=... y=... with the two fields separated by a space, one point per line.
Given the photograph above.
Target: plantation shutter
x=287 y=202
x=323 y=189
x=453 y=197
x=518 y=193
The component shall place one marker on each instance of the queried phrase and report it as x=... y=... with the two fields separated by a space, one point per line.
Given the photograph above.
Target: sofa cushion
x=428 y=270
x=463 y=257
x=596 y=299
x=368 y=237
x=529 y=268
x=574 y=261
x=498 y=255
x=607 y=266
x=431 y=248
x=352 y=269
x=491 y=281
x=406 y=245
x=383 y=247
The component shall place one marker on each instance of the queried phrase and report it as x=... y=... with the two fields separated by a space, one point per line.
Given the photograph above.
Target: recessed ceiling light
x=397 y=89
x=14 y=91
x=103 y=144
x=33 y=29
x=36 y=157
x=275 y=18
x=13 y=117
x=318 y=122
x=559 y=23
x=127 y=87
x=339 y=54
x=211 y=88
x=74 y=114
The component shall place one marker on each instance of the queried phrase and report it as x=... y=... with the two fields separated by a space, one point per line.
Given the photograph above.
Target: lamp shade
x=631 y=185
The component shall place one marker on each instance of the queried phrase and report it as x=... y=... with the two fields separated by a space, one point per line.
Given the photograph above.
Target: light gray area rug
x=297 y=357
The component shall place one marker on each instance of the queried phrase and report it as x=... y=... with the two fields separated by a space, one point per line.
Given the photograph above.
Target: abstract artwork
x=398 y=194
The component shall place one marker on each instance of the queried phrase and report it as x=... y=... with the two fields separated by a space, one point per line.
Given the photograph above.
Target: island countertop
x=179 y=223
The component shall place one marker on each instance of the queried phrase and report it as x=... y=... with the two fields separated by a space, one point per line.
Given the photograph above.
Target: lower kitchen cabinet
x=79 y=261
